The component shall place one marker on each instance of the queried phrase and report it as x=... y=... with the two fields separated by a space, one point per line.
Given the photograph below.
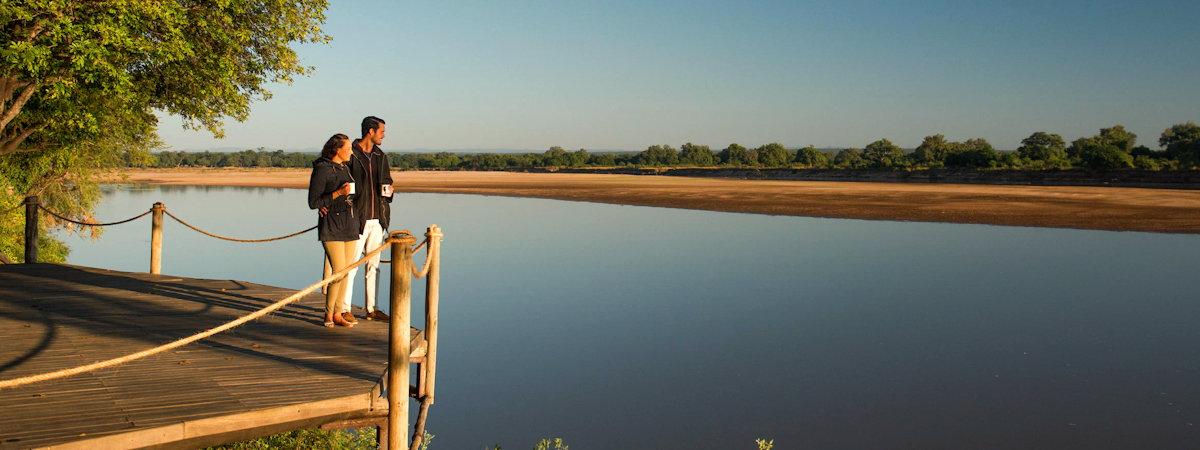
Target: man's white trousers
x=371 y=237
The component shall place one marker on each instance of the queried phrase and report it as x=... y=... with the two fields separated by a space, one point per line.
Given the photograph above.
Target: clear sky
x=628 y=74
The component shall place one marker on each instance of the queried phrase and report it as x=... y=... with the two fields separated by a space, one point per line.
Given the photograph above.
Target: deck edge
x=193 y=432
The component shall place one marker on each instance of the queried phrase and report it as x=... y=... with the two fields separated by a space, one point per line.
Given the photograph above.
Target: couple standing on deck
x=351 y=189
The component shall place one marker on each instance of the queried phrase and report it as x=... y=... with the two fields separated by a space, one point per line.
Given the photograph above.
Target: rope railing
x=401 y=243
x=428 y=259
x=92 y=224
x=233 y=239
x=21 y=381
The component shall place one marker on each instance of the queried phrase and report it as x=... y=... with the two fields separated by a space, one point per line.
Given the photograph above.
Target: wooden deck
x=282 y=372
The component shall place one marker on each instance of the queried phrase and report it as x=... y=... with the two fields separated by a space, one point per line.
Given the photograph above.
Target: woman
x=330 y=189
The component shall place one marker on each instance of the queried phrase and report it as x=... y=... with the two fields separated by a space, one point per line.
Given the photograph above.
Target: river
x=623 y=327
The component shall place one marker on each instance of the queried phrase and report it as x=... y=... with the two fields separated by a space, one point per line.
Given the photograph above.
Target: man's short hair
x=371 y=123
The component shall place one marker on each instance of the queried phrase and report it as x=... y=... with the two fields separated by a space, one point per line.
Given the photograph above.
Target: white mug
x=351 y=188
x=385 y=190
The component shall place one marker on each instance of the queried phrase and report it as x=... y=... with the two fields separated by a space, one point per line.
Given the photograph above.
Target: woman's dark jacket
x=340 y=222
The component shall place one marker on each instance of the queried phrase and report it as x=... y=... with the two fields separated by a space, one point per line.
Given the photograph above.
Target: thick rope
x=227 y=238
x=428 y=259
x=414 y=250
x=65 y=219
x=14 y=382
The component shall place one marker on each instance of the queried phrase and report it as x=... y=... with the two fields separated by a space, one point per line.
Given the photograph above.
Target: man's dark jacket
x=369 y=171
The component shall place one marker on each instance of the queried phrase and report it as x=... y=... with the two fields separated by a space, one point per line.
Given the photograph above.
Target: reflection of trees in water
x=150 y=190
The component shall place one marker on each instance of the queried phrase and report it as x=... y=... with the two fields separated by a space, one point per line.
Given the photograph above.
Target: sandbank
x=1100 y=208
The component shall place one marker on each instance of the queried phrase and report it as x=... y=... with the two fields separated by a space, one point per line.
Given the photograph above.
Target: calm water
x=621 y=327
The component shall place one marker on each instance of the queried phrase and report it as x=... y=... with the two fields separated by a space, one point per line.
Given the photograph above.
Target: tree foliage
x=1182 y=142
x=736 y=155
x=883 y=154
x=658 y=155
x=1043 y=146
x=774 y=155
x=972 y=153
x=1109 y=150
x=698 y=155
x=81 y=82
x=811 y=157
x=850 y=158
x=932 y=151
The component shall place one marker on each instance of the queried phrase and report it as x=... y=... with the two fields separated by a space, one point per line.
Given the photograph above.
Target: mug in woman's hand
x=351 y=189
x=385 y=190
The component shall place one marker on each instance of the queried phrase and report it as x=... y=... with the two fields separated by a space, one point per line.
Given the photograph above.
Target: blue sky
x=625 y=75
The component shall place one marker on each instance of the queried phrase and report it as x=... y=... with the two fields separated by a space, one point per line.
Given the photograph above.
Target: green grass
x=364 y=438
x=355 y=439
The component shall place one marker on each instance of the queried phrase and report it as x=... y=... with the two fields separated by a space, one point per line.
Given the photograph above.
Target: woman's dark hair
x=333 y=144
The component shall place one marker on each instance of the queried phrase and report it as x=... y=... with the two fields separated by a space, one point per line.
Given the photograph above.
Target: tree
x=973 y=153
x=1100 y=154
x=579 y=158
x=658 y=155
x=774 y=155
x=1115 y=136
x=736 y=155
x=1182 y=143
x=850 y=158
x=78 y=76
x=811 y=157
x=556 y=157
x=1109 y=150
x=1043 y=146
x=698 y=155
x=883 y=154
x=932 y=151
x=602 y=159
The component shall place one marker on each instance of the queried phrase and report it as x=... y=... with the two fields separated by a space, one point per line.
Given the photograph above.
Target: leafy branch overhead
x=83 y=82
x=66 y=64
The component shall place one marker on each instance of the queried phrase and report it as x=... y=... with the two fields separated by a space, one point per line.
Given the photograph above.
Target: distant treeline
x=1111 y=149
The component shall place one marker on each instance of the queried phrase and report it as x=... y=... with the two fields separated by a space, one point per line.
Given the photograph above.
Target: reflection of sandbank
x=1104 y=208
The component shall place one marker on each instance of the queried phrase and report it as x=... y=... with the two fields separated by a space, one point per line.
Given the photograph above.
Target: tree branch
x=9 y=144
x=12 y=109
x=35 y=31
x=7 y=84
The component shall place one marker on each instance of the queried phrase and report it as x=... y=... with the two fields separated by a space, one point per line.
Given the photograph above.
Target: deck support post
x=156 y=236
x=31 y=229
x=398 y=339
x=428 y=373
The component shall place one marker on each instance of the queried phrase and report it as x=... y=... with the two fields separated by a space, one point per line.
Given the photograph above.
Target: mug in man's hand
x=385 y=190
x=351 y=188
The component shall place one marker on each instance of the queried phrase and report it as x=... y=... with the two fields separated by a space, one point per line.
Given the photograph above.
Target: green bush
x=811 y=157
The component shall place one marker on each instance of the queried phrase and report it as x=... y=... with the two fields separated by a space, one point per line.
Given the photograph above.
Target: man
x=373 y=184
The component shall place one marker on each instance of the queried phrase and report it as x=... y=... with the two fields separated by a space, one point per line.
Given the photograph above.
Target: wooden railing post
x=432 y=280
x=428 y=372
x=31 y=229
x=156 y=235
x=399 y=340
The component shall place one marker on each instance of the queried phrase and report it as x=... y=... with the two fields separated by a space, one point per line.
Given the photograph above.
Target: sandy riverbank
x=1103 y=208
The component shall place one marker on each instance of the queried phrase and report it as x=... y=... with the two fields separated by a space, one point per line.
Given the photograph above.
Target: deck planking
x=283 y=367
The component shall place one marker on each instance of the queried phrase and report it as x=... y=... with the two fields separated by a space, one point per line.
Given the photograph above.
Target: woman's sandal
x=337 y=319
x=329 y=324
